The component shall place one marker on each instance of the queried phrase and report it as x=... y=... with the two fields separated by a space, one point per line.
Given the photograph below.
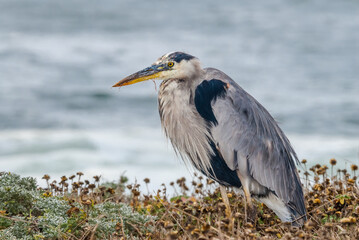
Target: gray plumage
x=251 y=141
x=226 y=134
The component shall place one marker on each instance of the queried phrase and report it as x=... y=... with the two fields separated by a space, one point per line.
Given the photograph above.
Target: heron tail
x=286 y=212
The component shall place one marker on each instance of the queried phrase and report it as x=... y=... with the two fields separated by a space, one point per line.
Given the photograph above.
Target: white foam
x=320 y=149
x=139 y=152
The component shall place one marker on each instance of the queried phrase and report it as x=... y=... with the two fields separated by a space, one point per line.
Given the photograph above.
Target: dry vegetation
x=89 y=210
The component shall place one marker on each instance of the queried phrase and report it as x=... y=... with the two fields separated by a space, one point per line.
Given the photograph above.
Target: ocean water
x=59 y=59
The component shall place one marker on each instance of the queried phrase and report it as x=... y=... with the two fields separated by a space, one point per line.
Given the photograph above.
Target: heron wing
x=248 y=136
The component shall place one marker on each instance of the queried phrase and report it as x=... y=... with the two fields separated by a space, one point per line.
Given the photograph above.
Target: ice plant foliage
x=76 y=208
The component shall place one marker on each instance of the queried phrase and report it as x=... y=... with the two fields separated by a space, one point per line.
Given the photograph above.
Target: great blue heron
x=225 y=133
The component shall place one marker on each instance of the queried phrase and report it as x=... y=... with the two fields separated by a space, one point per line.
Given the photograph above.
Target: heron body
x=225 y=133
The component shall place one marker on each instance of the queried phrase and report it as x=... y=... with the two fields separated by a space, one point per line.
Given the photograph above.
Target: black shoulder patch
x=179 y=56
x=205 y=93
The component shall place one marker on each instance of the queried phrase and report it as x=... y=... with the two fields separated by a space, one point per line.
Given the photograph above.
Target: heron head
x=174 y=65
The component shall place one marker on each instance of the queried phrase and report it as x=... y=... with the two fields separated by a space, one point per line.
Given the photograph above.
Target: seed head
x=333 y=161
x=46 y=177
x=354 y=167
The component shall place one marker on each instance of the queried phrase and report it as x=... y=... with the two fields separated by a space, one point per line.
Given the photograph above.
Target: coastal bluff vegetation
x=76 y=208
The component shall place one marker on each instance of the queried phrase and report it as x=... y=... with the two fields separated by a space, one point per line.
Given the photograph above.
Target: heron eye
x=170 y=64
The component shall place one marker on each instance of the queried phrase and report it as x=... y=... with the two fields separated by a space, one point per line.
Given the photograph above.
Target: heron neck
x=182 y=123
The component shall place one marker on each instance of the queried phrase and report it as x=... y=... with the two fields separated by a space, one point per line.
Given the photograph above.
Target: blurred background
x=59 y=59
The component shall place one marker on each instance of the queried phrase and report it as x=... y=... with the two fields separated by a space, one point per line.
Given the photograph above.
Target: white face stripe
x=176 y=56
x=161 y=59
x=166 y=55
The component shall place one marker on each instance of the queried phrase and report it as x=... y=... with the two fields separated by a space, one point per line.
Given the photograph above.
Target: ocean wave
x=140 y=152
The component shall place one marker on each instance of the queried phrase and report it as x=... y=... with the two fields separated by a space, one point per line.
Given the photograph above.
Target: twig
x=35 y=223
x=138 y=230
x=93 y=232
x=123 y=231
x=200 y=220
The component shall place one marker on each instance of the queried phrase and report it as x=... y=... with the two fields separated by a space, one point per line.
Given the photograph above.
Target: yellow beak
x=152 y=72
